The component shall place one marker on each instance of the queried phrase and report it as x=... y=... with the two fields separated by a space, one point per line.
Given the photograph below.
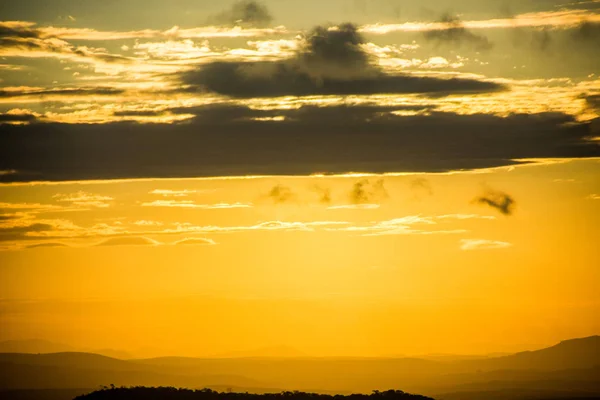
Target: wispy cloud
x=410 y=225
x=129 y=241
x=196 y=242
x=177 y=193
x=558 y=19
x=144 y=222
x=482 y=244
x=191 y=204
x=355 y=207
x=84 y=199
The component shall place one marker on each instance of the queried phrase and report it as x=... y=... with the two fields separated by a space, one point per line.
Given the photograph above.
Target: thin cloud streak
x=557 y=19
x=191 y=204
x=482 y=244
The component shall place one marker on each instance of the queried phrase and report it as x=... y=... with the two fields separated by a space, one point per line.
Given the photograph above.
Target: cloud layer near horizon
x=226 y=141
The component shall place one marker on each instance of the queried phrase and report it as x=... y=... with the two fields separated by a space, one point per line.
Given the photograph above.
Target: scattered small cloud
x=482 y=244
x=355 y=207
x=147 y=223
x=323 y=193
x=499 y=201
x=281 y=194
x=84 y=199
x=191 y=204
x=594 y=196
x=454 y=33
x=244 y=13
x=367 y=192
x=176 y=193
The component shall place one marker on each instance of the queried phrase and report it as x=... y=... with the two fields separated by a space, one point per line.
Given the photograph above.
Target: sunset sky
x=344 y=177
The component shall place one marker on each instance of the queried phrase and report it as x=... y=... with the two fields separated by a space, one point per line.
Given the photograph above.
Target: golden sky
x=346 y=178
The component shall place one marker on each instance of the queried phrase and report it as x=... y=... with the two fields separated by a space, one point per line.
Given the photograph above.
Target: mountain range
x=570 y=368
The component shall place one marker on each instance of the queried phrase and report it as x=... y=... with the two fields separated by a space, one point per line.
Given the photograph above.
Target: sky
x=345 y=178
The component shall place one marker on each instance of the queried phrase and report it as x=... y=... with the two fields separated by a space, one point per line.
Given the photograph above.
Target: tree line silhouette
x=172 y=393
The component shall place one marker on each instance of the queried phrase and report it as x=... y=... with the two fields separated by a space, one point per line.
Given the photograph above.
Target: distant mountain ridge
x=38 y=346
x=572 y=353
x=571 y=365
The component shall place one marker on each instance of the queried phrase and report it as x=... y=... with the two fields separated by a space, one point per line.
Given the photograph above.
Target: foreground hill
x=170 y=393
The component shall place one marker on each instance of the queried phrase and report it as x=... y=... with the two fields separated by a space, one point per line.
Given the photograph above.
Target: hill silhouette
x=572 y=366
x=170 y=393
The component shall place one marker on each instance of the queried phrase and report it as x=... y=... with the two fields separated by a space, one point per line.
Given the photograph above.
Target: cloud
x=46 y=245
x=355 y=207
x=401 y=226
x=482 y=244
x=421 y=186
x=329 y=61
x=366 y=192
x=244 y=13
x=196 y=242
x=229 y=141
x=176 y=193
x=80 y=91
x=17 y=118
x=500 y=201
x=23 y=231
x=263 y=226
x=281 y=194
x=554 y=19
x=84 y=199
x=587 y=31
x=594 y=197
x=593 y=102
x=282 y=78
x=138 y=113
x=191 y=204
x=18 y=38
x=144 y=222
x=129 y=241
x=455 y=34
x=323 y=193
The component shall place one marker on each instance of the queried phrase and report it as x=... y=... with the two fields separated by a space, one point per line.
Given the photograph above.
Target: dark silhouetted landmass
x=571 y=369
x=170 y=393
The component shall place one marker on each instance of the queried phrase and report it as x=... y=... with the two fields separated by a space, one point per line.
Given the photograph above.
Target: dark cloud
x=28 y=38
x=323 y=193
x=21 y=232
x=26 y=117
x=277 y=79
x=281 y=194
x=587 y=31
x=421 y=185
x=245 y=13
x=455 y=34
x=46 y=245
x=82 y=91
x=331 y=61
x=592 y=102
x=329 y=52
x=225 y=141
x=500 y=201
x=365 y=191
